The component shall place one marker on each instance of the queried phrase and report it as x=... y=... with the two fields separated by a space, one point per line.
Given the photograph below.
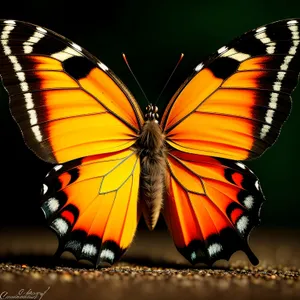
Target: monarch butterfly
x=113 y=164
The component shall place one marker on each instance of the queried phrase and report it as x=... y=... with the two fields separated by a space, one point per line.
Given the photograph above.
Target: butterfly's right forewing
x=67 y=103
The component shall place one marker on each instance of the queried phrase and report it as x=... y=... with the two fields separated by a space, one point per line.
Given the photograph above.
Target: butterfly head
x=152 y=114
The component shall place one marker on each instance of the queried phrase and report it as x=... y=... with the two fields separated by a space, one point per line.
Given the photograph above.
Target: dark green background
x=152 y=34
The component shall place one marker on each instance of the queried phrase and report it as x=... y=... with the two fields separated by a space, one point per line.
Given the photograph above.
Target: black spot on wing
x=250 y=45
x=74 y=173
x=277 y=32
x=48 y=46
x=78 y=67
x=224 y=67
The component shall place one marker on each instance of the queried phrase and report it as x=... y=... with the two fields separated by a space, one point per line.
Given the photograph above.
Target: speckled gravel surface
x=152 y=269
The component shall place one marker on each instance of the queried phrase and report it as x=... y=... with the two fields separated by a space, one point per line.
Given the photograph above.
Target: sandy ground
x=151 y=269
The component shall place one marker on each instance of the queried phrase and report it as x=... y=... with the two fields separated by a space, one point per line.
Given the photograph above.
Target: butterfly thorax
x=151 y=147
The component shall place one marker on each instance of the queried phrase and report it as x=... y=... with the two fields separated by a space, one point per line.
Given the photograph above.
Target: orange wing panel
x=245 y=79
x=212 y=224
x=100 y=193
x=197 y=90
x=100 y=85
x=227 y=136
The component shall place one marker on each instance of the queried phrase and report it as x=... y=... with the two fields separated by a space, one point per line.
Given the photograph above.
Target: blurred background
x=152 y=34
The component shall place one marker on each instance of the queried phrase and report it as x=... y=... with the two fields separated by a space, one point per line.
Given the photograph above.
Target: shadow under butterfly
x=113 y=164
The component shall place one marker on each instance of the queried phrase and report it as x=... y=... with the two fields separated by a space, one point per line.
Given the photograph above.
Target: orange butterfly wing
x=231 y=108
x=211 y=206
x=73 y=110
x=234 y=104
x=91 y=203
x=67 y=103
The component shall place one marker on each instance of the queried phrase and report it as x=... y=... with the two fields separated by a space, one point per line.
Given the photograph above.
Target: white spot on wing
x=77 y=47
x=271 y=49
x=52 y=204
x=292 y=22
x=214 y=248
x=37 y=133
x=45 y=189
x=248 y=202
x=24 y=87
x=273 y=100
x=193 y=255
x=27 y=49
x=239 y=164
x=13 y=59
x=65 y=54
x=239 y=56
x=32 y=117
x=262 y=36
x=199 y=67
x=29 y=101
x=277 y=86
x=9 y=22
x=103 y=66
x=21 y=76
x=269 y=116
x=89 y=250
x=260 y=29
x=57 y=167
x=42 y=30
x=61 y=226
x=107 y=254
x=242 y=224
x=222 y=49
x=257 y=184
x=264 y=130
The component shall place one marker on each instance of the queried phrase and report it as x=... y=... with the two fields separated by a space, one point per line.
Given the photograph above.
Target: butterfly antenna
x=125 y=59
x=180 y=59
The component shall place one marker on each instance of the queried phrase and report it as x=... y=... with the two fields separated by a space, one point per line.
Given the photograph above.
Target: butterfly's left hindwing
x=211 y=206
x=91 y=204
x=234 y=104
x=67 y=103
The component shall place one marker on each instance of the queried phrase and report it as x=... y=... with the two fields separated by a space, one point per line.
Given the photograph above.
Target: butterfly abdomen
x=152 y=156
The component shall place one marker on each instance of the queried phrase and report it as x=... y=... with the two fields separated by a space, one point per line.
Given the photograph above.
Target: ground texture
x=151 y=269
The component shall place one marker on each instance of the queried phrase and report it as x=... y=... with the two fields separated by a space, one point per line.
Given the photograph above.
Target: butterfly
x=113 y=164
